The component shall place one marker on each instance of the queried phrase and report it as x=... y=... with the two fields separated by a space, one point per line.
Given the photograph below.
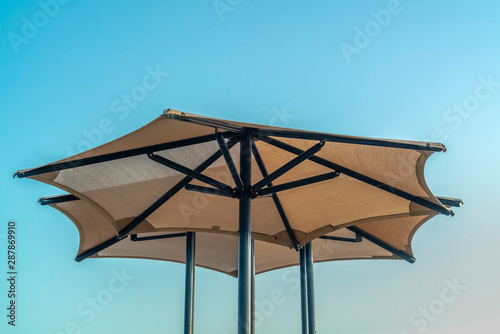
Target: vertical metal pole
x=253 y=287
x=244 y=258
x=310 y=289
x=303 y=290
x=189 y=292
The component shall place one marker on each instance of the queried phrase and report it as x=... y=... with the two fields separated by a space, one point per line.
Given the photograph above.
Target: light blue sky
x=280 y=63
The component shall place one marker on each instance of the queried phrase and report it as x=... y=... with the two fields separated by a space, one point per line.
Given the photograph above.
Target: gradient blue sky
x=256 y=61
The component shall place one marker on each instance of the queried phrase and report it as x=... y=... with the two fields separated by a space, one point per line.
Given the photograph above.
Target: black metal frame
x=245 y=237
x=276 y=200
x=210 y=190
x=191 y=173
x=360 y=177
x=169 y=194
x=356 y=239
x=117 y=155
x=229 y=161
x=381 y=243
x=189 y=284
x=245 y=192
x=451 y=201
x=295 y=184
x=311 y=313
x=288 y=166
x=57 y=199
x=298 y=134
x=48 y=200
x=303 y=291
x=134 y=237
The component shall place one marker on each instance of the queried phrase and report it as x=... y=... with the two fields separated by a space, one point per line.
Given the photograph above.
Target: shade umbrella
x=218 y=251
x=293 y=186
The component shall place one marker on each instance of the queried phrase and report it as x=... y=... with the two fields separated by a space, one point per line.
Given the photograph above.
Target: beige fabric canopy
x=134 y=185
x=219 y=252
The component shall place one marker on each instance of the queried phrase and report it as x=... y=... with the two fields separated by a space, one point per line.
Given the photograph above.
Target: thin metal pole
x=244 y=258
x=310 y=288
x=253 y=287
x=189 y=296
x=303 y=290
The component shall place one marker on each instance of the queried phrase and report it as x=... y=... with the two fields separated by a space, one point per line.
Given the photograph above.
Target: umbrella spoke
x=189 y=172
x=357 y=239
x=114 y=156
x=57 y=199
x=450 y=201
x=229 y=161
x=134 y=237
x=276 y=200
x=289 y=165
x=381 y=243
x=169 y=194
x=210 y=190
x=360 y=177
x=296 y=184
x=299 y=134
x=256 y=131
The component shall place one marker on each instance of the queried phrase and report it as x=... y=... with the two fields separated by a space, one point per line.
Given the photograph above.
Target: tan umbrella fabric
x=219 y=252
x=378 y=180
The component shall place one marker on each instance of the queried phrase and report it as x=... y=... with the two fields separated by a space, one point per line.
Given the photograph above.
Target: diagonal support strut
x=140 y=218
x=289 y=165
x=381 y=243
x=356 y=239
x=210 y=190
x=190 y=172
x=229 y=161
x=360 y=177
x=276 y=200
x=296 y=184
x=115 y=155
x=134 y=237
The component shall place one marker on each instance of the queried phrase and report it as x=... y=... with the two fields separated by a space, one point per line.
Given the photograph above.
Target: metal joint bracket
x=121 y=237
x=19 y=172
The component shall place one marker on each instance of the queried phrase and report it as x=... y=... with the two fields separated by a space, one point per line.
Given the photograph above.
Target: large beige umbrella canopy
x=219 y=252
x=180 y=173
x=377 y=178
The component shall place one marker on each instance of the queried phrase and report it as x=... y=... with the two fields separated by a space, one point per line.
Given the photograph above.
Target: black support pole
x=189 y=293
x=244 y=247
x=253 y=287
x=310 y=289
x=303 y=290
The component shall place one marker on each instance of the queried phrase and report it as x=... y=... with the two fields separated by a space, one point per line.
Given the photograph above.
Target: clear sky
x=394 y=69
